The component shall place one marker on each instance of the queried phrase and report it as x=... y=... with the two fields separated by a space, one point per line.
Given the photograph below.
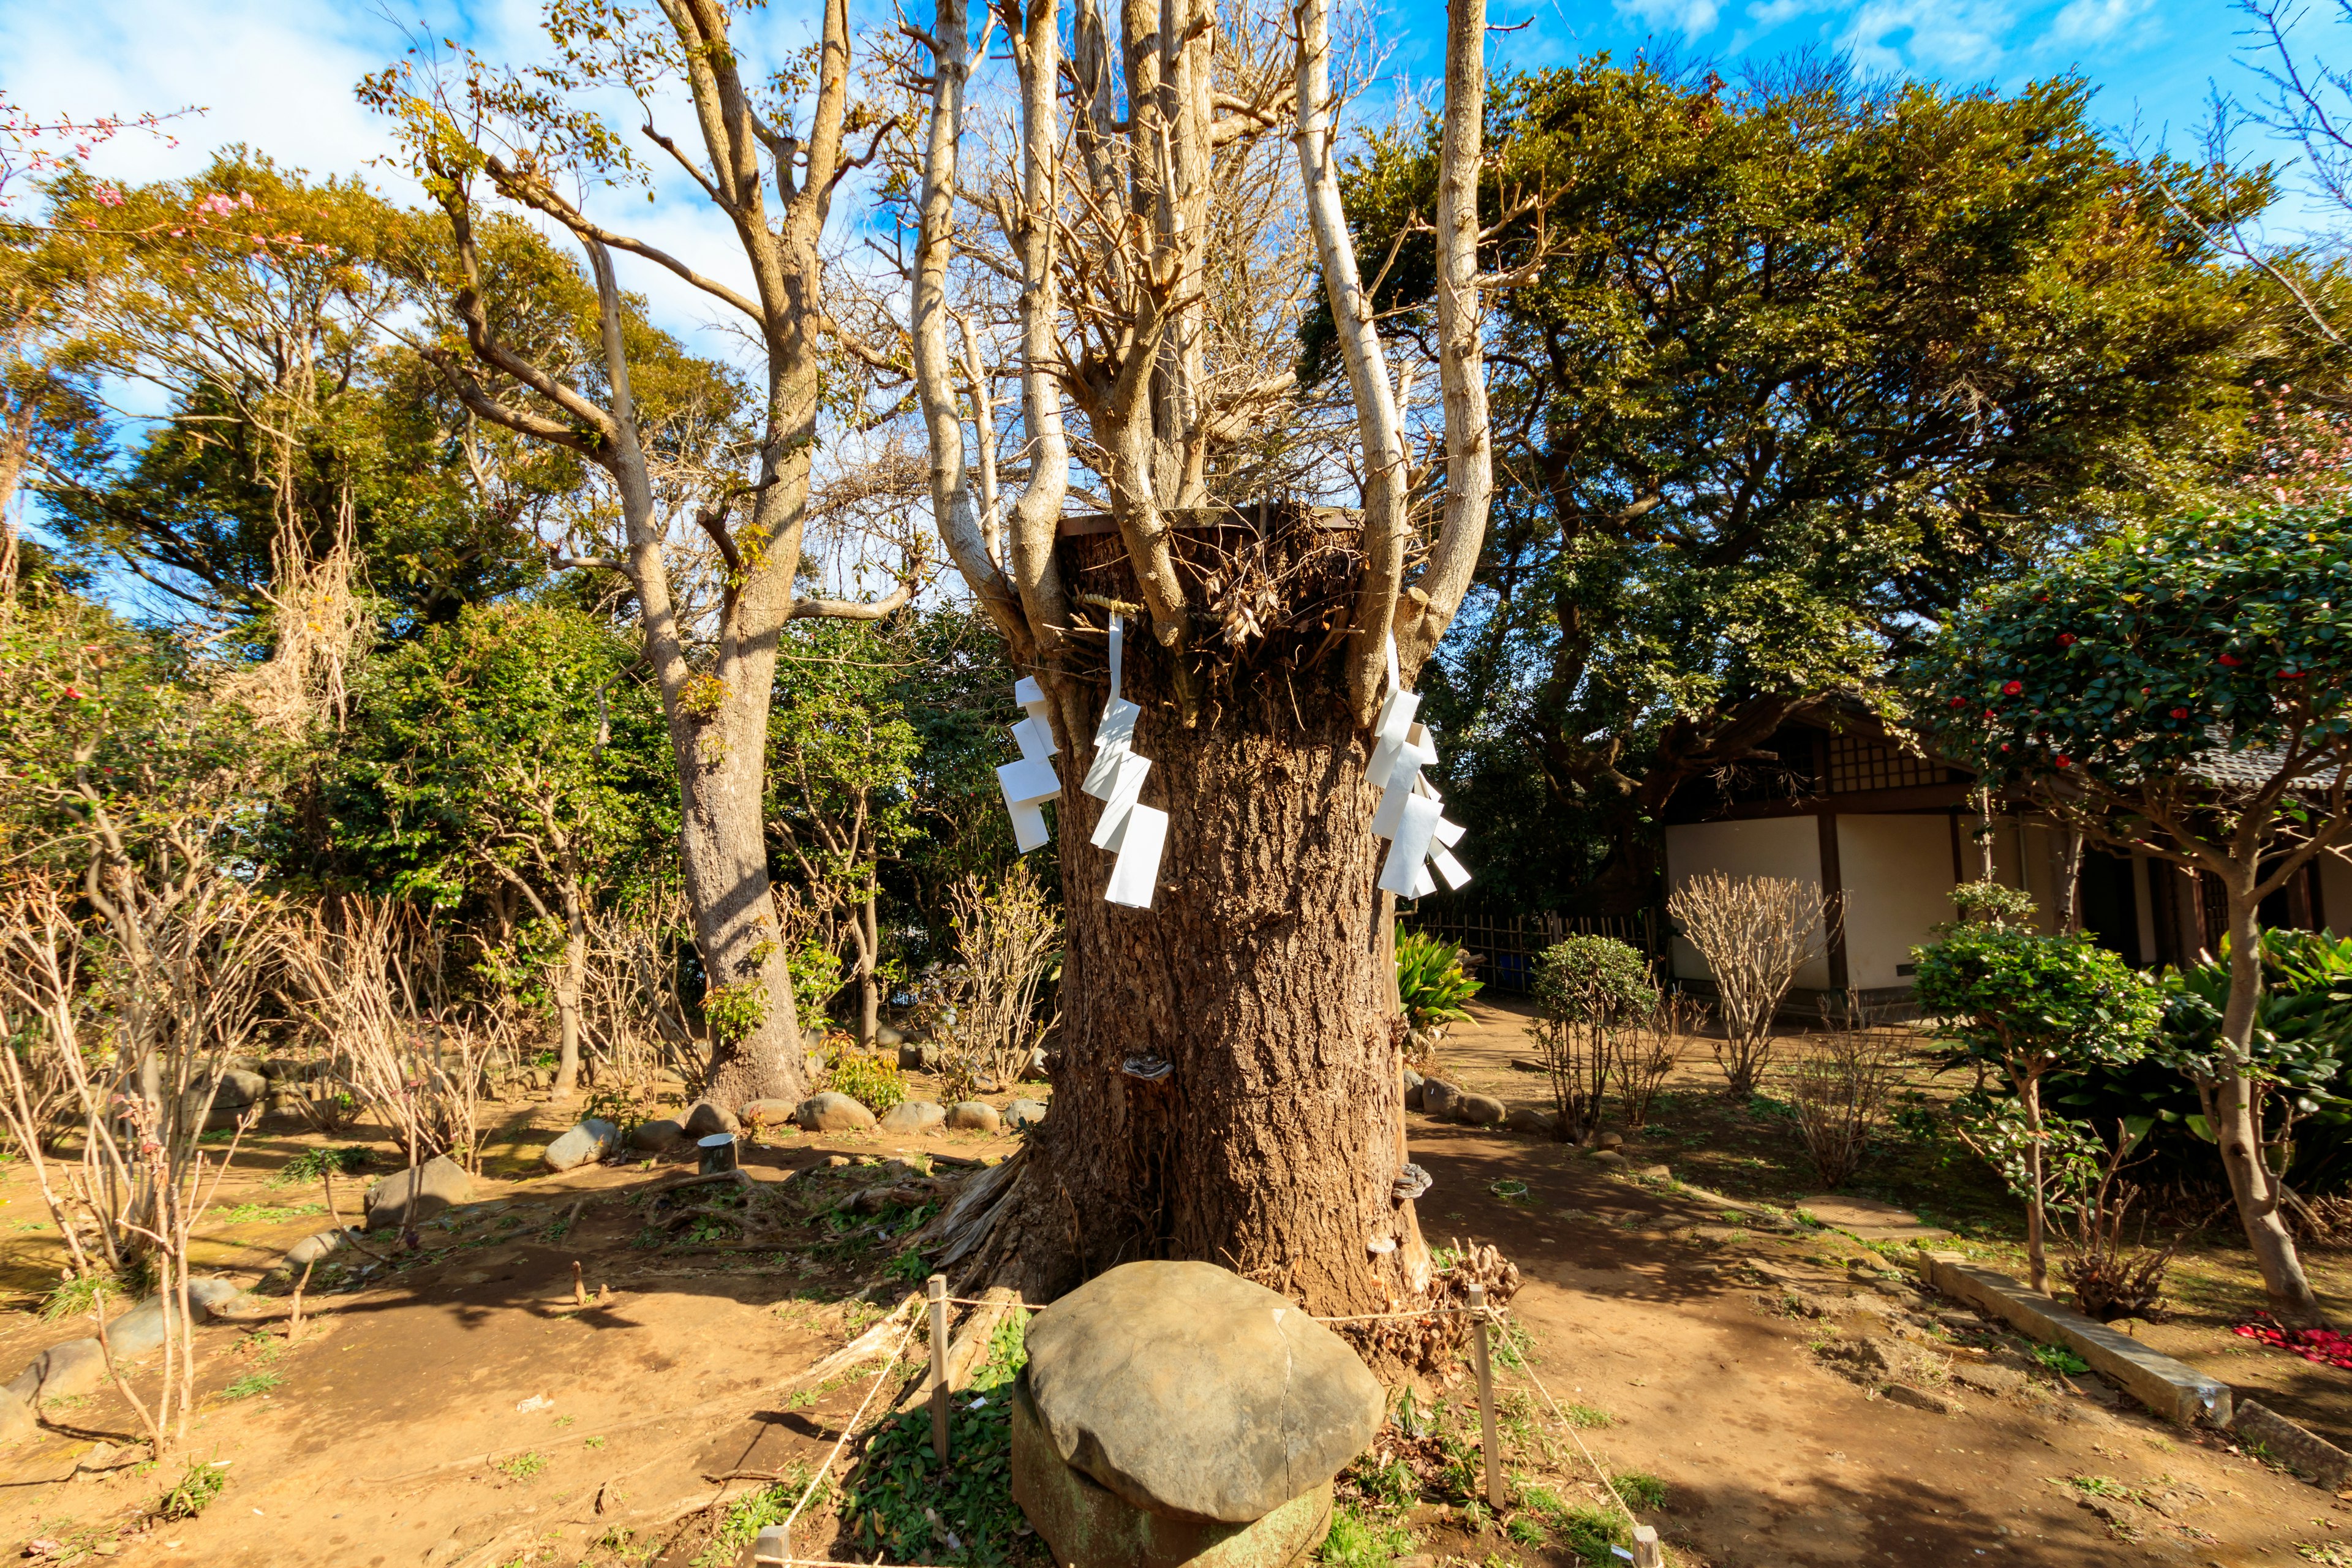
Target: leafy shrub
x=1590 y=992
x=312 y=1163
x=195 y=1494
x=875 y=1082
x=2027 y=1004
x=1431 y=983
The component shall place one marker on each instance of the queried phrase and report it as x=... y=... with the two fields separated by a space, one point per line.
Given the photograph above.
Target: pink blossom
x=107 y=196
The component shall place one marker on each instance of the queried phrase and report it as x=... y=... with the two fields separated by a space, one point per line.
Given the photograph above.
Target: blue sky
x=278 y=73
x=2151 y=60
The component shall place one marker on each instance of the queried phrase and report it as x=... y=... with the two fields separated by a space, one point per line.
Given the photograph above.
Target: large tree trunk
x=722 y=850
x=571 y=983
x=1273 y=1145
x=2238 y=1129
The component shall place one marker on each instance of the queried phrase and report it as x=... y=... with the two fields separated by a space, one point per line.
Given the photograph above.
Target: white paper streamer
x=1408 y=815
x=1028 y=784
x=1135 y=834
x=1137 y=871
x=1121 y=800
x=1114 y=734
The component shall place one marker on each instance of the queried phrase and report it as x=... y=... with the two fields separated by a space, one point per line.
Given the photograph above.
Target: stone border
x=2305 y=1451
x=2172 y=1389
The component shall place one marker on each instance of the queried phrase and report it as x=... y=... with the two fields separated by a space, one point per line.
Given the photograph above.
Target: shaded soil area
x=1736 y=1373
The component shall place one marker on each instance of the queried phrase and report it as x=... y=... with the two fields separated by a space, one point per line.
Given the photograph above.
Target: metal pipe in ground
x=938 y=1294
x=1486 y=1397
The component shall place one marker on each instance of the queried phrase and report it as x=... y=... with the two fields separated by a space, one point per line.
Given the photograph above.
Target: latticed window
x=1857 y=762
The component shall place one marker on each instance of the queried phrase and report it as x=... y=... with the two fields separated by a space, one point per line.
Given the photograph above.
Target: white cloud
x=2095 y=21
x=1692 y=18
x=1964 y=36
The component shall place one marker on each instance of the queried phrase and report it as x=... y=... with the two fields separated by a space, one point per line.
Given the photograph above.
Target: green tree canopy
x=1784 y=369
x=515 y=760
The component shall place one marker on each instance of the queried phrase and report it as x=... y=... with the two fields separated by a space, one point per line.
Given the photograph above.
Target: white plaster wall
x=2336 y=893
x=1898 y=872
x=1769 y=847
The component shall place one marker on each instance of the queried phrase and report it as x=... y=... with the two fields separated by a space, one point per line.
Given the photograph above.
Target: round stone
x=1195 y=1393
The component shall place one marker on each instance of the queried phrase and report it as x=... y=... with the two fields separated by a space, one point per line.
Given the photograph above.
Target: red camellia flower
x=2066 y=639
x=2180 y=712
x=74 y=693
x=2290 y=675
x=2012 y=689
x=2229 y=659
x=1958 y=701
x=2065 y=762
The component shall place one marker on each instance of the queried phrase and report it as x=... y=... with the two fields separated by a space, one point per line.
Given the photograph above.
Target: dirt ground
x=458 y=1413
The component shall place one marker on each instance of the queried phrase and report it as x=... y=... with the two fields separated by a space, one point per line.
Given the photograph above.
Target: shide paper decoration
x=1409 y=815
x=1030 y=782
x=1135 y=833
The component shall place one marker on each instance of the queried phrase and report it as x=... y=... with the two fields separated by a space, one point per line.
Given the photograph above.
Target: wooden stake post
x=938 y=1293
x=1647 y=1553
x=1494 y=1495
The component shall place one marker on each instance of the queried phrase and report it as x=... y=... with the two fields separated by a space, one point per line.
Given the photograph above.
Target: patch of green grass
x=909 y=1267
x=753 y=1513
x=72 y=1297
x=523 y=1465
x=1640 y=1490
x=2099 y=1486
x=251 y=1383
x=265 y=1214
x=900 y=1499
x=1526 y=1529
x=1589 y=1533
x=312 y=1163
x=197 y=1488
x=1587 y=1416
x=2059 y=1359
x=1356 y=1541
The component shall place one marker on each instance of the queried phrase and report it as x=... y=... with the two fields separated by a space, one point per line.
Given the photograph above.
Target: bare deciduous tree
x=1839 y=1085
x=1754 y=934
x=1218 y=1049
x=520 y=140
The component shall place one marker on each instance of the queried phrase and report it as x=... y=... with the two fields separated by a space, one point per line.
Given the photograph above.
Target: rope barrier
x=847 y=1431
x=1561 y=1416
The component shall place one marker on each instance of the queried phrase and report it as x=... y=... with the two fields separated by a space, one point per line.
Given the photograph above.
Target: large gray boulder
x=1195 y=1393
x=410 y=1197
x=312 y=1248
x=1438 y=1097
x=585 y=1144
x=1532 y=1119
x=706 y=1118
x=914 y=1116
x=239 y=1089
x=974 y=1116
x=652 y=1137
x=919 y=1055
x=832 y=1112
x=1413 y=1082
x=1479 y=1110
x=768 y=1112
x=78 y=1366
x=1024 y=1113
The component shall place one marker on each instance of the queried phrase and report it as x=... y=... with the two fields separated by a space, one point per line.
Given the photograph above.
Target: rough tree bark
x=717 y=681
x=2237 y=1105
x=1229 y=1082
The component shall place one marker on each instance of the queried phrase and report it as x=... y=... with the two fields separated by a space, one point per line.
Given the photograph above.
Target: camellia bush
x=2184 y=690
x=2028 y=1004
